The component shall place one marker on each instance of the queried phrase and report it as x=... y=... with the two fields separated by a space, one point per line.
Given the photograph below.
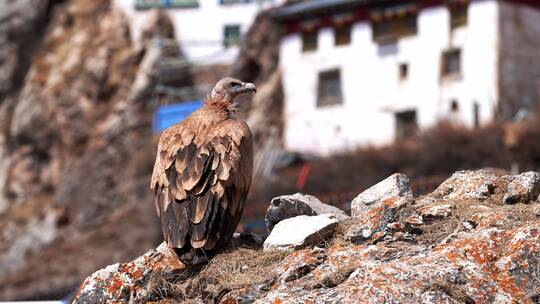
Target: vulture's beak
x=248 y=88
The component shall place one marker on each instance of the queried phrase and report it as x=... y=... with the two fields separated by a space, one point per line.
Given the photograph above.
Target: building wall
x=519 y=66
x=200 y=30
x=371 y=86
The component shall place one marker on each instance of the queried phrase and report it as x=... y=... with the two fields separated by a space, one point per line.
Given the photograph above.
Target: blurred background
x=349 y=92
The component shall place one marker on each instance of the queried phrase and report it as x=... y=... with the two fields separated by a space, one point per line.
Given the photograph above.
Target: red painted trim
x=532 y=3
x=361 y=13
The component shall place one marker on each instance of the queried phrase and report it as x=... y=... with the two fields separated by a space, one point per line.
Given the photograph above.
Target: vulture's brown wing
x=201 y=183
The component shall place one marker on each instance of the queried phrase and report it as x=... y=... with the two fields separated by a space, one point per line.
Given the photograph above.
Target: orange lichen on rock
x=452 y=246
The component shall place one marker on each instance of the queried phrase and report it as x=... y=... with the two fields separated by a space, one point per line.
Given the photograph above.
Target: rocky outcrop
x=125 y=282
x=258 y=62
x=259 y=56
x=22 y=24
x=459 y=244
x=287 y=206
x=76 y=148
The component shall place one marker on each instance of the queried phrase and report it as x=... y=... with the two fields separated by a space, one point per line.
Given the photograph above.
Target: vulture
x=202 y=175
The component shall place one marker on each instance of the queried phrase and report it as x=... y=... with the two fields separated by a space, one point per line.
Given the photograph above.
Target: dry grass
x=454 y=291
x=339 y=234
x=243 y=266
x=227 y=271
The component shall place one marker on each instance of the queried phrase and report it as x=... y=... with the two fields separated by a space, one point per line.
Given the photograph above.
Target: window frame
x=228 y=42
x=446 y=56
x=403 y=71
x=459 y=15
x=347 y=31
x=313 y=44
x=233 y=2
x=404 y=129
x=398 y=27
x=323 y=99
x=165 y=4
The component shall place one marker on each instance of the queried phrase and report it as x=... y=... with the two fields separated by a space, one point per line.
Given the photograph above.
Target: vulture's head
x=228 y=89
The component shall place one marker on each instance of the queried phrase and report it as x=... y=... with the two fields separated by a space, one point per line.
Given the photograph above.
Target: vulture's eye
x=235 y=84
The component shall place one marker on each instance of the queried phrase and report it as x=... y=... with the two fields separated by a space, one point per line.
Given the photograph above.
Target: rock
x=258 y=61
x=376 y=221
x=300 y=231
x=523 y=188
x=250 y=240
x=287 y=206
x=395 y=185
x=21 y=25
x=451 y=249
x=437 y=211
x=478 y=184
x=124 y=282
x=536 y=210
x=460 y=269
x=259 y=55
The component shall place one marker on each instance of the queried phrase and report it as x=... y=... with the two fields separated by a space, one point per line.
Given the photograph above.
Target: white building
x=370 y=71
x=208 y=31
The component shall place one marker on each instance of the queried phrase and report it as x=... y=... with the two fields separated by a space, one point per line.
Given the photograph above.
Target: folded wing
x=201 y=179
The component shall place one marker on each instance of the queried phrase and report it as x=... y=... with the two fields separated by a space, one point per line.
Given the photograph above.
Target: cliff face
x=76 y=149
x=258 y=62
x=22 y=23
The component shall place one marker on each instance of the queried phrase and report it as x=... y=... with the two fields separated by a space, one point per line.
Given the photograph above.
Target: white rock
x=437 y=211
x=536 y=210
x=300 y=231
x=287 y=206
x=395 y=185
x=523 y=188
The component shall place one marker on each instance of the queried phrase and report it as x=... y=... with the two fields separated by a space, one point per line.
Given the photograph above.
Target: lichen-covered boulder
x=467 y=184
x=287 y=206
x=377 y=221
x=125 y=282
x=396 y=185
x=523 y=188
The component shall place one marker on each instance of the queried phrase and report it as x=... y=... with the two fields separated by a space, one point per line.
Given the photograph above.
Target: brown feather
x=202 y=206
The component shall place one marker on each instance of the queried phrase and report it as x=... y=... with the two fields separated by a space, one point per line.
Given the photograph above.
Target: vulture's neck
x=221 y=107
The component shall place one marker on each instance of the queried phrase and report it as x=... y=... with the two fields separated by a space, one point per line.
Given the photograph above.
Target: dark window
x=458 y=15
x=406 y=125
x=231 y=35
x=309 y=40
x=342 y=34
x=147 y=4
x=329 y=90
x=454 y=106
x=390 y=29
x=403 y=71
x=381 y=30
x=451 y=63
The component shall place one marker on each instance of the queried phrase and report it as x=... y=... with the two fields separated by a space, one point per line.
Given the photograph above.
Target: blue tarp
x=172 y=114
